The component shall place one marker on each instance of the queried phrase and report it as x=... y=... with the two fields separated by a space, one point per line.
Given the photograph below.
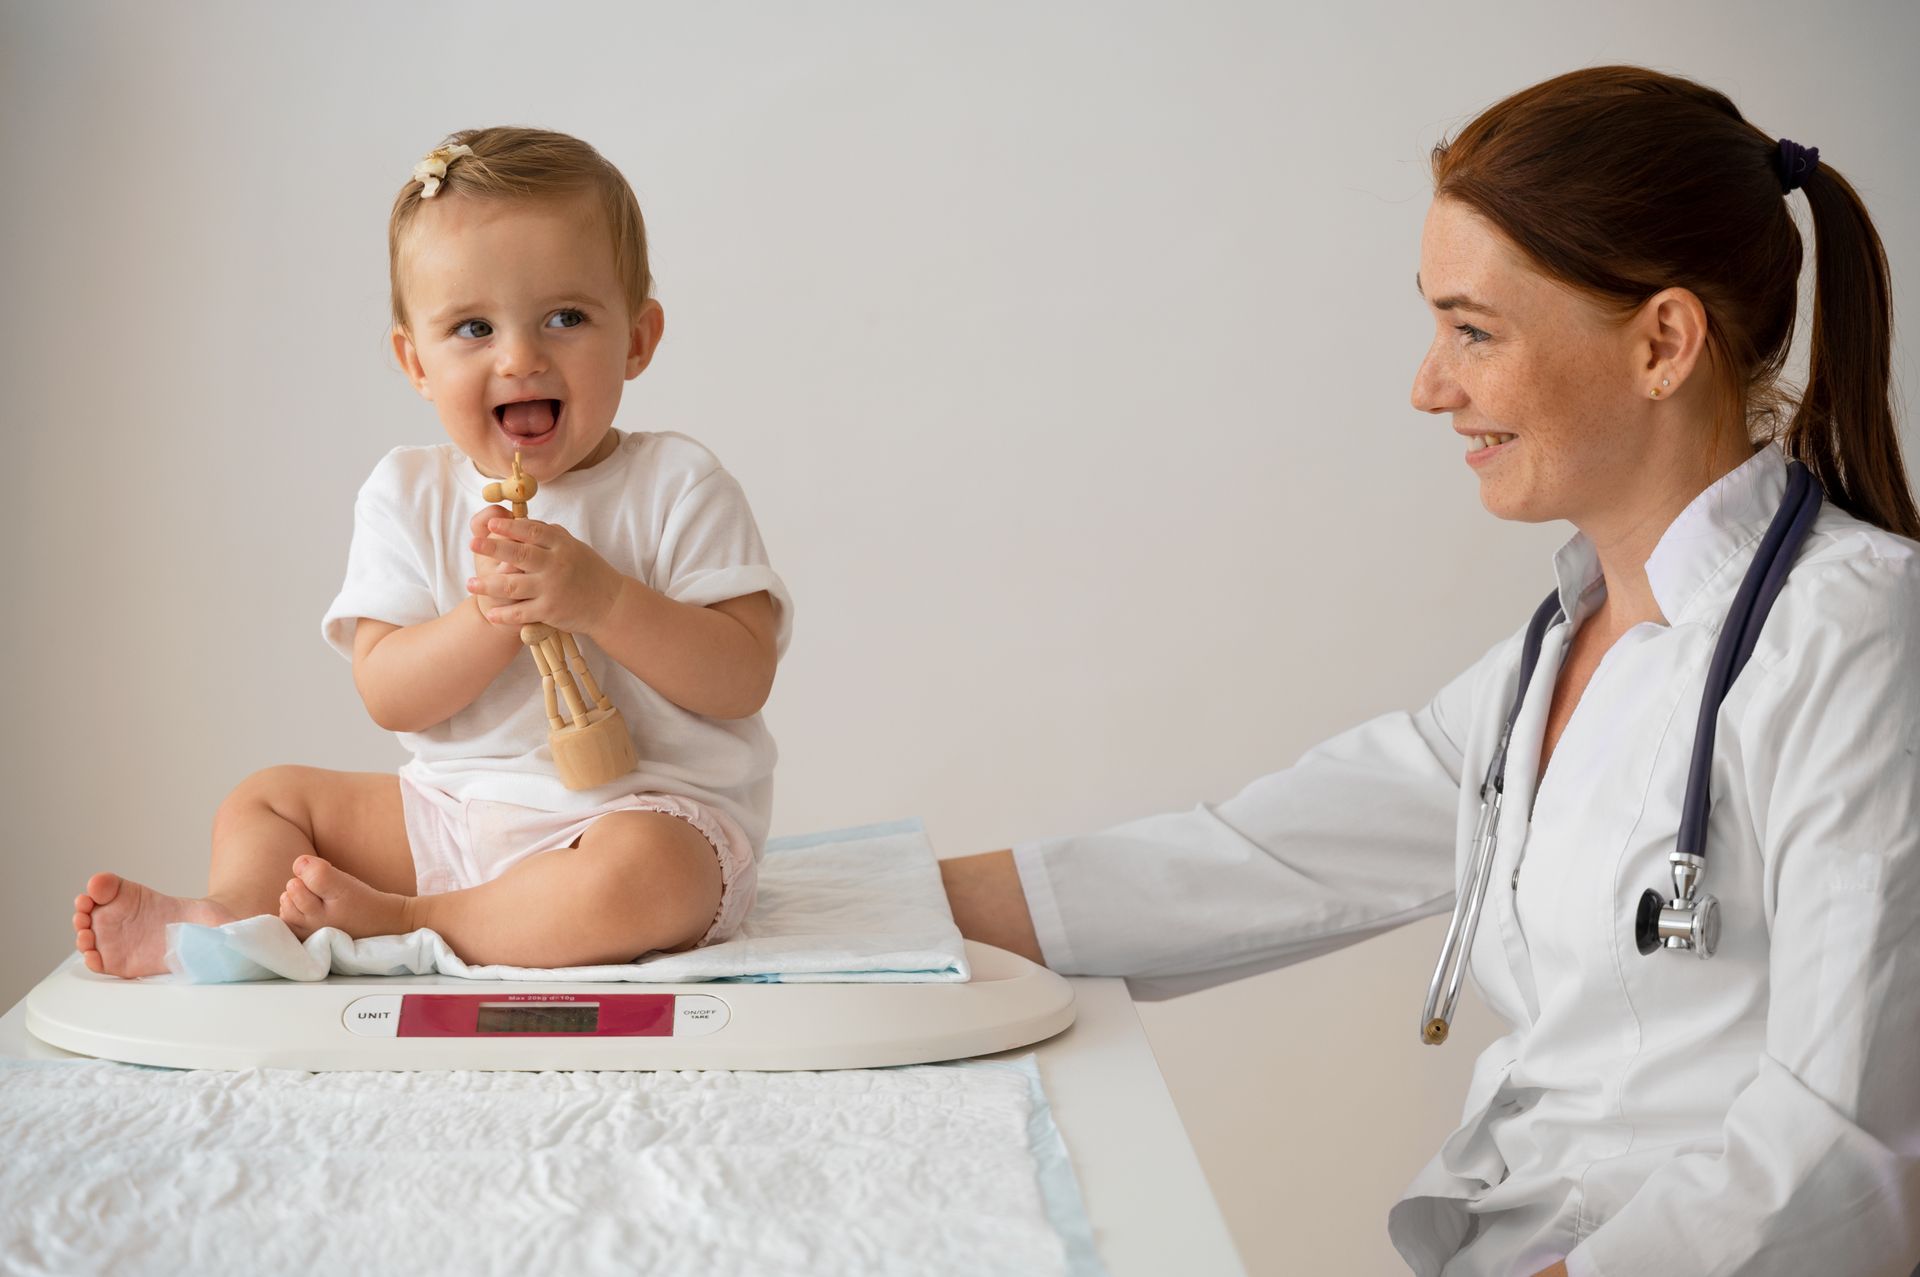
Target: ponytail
x=1843 y=429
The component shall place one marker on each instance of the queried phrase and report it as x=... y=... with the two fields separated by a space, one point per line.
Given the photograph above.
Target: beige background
x=1064 y=351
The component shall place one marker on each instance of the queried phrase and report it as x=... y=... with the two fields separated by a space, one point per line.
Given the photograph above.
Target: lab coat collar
x=1719 y=524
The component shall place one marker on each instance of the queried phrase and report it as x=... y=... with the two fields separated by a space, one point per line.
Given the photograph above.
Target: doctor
x=1611 y=266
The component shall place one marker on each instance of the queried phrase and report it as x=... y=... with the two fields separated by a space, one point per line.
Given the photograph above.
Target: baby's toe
x=318 y=875
x=296 y=921
x=103 y=887
x=304 y=898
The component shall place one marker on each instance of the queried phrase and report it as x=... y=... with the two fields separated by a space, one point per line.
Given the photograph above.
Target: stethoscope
x=1690 y=919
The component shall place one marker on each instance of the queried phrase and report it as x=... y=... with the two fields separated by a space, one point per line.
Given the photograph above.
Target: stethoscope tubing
x=1763 y=581
x=1742 y=631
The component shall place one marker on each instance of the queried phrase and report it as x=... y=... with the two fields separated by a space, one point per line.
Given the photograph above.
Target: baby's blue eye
x=1469 y=329
x=578 y=318
x=471 y=322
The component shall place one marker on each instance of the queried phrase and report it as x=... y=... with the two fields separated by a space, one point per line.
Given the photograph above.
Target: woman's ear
x=1673 y=330
x=409 y=359
x=644 y=338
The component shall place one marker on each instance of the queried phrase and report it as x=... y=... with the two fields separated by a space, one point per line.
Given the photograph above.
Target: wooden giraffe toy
x=595 y=746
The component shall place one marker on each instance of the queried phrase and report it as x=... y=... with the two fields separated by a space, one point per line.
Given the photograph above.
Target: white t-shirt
x=659 y=508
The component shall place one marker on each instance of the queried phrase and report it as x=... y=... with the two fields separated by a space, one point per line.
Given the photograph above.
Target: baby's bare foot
x=319 y=895
x=120 y=927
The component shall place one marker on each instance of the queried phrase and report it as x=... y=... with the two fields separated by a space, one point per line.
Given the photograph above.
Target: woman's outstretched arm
x=1354 y=839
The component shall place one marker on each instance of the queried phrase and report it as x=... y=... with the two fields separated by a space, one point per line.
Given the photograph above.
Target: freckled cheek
x=1530 y=400
x=1490 y=391
x=1566 y=407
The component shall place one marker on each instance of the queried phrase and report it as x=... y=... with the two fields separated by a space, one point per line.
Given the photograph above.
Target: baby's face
x=518 y=330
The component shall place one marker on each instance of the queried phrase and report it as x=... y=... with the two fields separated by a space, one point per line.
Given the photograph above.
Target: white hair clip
x=429 y=171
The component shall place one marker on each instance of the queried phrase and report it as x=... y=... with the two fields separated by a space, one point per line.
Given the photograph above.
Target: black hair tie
x=1796 y=164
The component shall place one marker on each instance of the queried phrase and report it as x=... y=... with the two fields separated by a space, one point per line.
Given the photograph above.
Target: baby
x=518 y=267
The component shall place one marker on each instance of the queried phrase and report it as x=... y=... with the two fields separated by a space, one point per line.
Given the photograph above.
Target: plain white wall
x=1064 y=351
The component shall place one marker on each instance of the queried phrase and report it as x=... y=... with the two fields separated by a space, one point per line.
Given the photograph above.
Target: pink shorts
x=462 y=843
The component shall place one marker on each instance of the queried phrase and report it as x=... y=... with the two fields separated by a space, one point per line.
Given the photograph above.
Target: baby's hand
x=484 y=566
x=544 y=574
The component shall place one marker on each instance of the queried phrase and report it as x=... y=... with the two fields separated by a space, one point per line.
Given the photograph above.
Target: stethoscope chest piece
x=1690 y=920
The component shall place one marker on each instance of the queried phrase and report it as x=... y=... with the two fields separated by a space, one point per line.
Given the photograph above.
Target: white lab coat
x=1755 y=1113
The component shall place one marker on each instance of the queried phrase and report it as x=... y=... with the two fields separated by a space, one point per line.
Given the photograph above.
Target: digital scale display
x=535 y=1015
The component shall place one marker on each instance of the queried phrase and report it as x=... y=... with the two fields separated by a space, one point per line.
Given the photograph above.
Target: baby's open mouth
x=530 y=422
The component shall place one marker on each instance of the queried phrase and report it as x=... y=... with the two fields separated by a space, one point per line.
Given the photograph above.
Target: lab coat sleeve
x=1819 y=1170
x=1355 y=838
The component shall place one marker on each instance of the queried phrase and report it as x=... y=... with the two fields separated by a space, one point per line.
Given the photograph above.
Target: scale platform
x=445 y=1022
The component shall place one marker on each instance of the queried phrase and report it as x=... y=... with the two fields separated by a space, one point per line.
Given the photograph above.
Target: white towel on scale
x=851 y=905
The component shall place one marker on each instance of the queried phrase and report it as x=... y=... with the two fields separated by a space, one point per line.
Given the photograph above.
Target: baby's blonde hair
x=531 y=164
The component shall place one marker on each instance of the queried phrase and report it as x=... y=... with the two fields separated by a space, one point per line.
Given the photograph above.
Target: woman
x=1612 y=268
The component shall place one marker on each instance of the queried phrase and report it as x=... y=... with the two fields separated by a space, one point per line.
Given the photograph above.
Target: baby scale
x=446 y=1022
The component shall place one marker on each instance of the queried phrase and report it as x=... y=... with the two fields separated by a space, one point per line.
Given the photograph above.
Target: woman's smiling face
x=518 y=329
x=1515 y=353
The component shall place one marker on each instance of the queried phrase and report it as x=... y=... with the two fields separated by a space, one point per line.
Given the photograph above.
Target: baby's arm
x=415 y=676
x=716 y=660
x=412 y=677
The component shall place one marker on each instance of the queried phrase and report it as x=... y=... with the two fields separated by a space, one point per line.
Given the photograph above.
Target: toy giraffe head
x=520 y=487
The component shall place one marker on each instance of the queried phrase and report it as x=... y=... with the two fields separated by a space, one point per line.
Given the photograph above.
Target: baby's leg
x=275 y=816
x=635 y=882
x=269 y=820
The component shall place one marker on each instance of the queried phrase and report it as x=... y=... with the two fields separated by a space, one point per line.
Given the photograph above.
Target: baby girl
x=518 y=265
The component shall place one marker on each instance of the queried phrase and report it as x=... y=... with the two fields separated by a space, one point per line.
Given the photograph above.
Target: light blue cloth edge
x=853 y=833
x=1059 y=1187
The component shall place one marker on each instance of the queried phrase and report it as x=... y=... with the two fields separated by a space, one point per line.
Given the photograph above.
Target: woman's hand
x=542 y=573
